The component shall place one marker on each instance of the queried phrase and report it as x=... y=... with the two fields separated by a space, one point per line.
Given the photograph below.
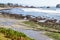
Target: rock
x=58 y=6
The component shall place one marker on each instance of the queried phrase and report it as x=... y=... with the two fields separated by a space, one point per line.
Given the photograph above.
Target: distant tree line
x=14 y=5
x=17 y=5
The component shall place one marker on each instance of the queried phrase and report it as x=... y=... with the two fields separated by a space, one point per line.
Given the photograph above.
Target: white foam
x=40 y=10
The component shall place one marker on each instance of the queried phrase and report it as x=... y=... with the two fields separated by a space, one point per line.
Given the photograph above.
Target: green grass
x=38 y=27
x=55 y=36
x=31 y=24
x=14 y=35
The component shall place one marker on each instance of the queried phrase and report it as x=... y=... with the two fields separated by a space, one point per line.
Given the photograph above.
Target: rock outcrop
x=58 y=6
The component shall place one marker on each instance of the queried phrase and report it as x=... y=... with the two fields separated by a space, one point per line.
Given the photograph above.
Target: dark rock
x=58 y=6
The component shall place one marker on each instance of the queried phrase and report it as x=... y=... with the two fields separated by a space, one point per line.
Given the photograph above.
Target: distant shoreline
x=33 y=10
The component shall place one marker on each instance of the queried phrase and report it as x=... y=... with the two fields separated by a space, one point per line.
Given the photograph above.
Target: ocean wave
x=41 y=10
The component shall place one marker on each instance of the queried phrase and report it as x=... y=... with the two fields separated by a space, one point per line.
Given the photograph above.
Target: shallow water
x=37 y=35
x=6 y=22
x=55 y=12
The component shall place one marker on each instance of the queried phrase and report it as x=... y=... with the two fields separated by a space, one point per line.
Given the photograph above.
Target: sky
x=33 y=2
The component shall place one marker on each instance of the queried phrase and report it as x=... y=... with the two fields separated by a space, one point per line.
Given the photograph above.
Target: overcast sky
x=33 y=2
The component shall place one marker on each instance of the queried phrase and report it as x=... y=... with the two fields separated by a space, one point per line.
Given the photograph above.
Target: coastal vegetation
x=2 y=37
x=40 y=27
x=52 y=33
x=10 y=34
x=55 y=36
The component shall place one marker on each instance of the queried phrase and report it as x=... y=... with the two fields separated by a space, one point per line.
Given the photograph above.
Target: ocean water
x=43 y=12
